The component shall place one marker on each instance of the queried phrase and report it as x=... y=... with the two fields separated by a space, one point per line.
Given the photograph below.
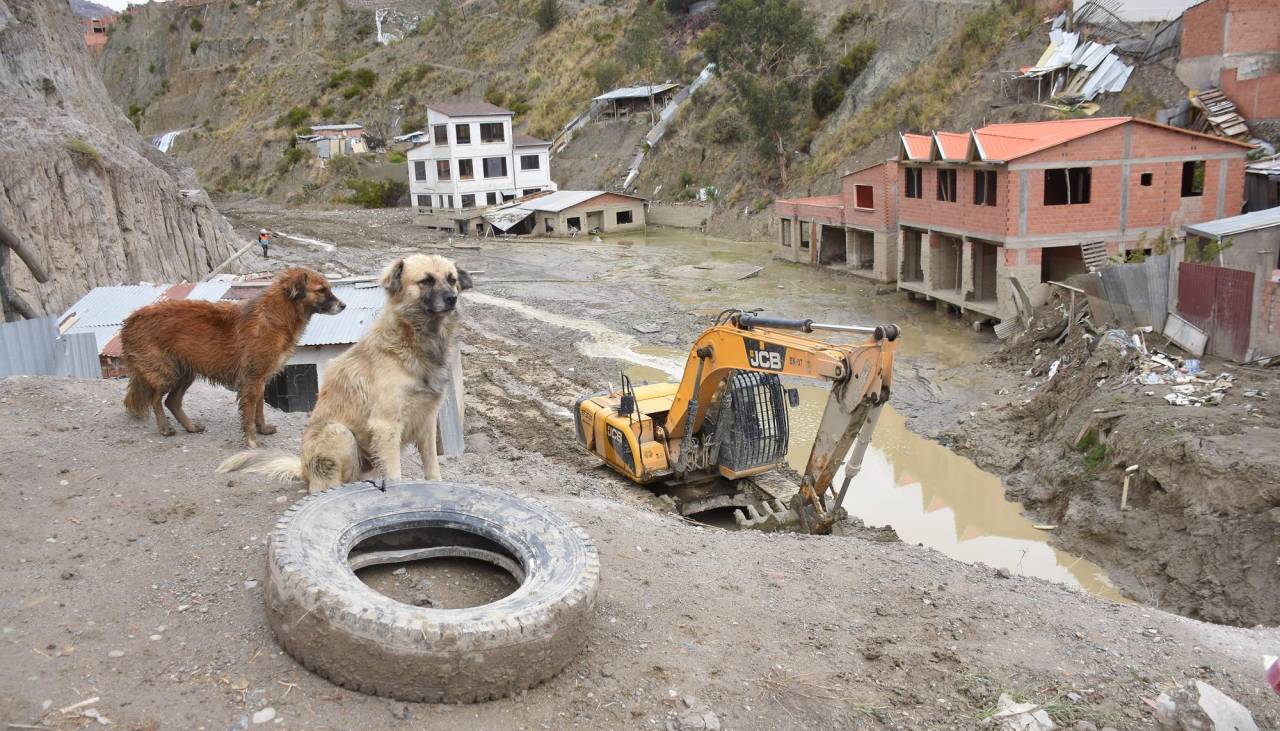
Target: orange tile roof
x=1004 y=142
x=952 y=145
x=1008 y=141
x=917 y=145
x=825 y=201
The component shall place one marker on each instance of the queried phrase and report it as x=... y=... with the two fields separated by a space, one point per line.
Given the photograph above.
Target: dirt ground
x=135 y=573
x=1200 y=532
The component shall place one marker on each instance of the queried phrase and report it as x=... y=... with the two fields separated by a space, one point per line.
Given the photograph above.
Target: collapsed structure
x=967 y=214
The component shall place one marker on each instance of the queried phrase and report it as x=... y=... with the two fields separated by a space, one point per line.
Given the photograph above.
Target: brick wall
x=1237 y=32
x=1159 y=205
x=1257 y=98
x=884 y=181
x=963 y=214
x=1202 y=29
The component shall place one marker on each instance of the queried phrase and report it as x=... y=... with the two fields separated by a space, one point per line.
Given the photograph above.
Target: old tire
x=331 y=622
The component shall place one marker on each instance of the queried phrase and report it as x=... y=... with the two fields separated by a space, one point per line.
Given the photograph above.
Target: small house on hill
x=333 y=140
x=647 y=99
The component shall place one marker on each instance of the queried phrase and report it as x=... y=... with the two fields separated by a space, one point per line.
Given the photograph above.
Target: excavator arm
x=860 y=377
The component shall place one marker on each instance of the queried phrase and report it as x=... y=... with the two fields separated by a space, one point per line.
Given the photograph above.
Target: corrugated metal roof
x=469 y=109
x=209 y=291
x=363 y=305
x=635 y=92
x=106 y=306
x=1268 y=166
x=336 y=127
x=1236 y=224
x=361 y=297
x=344 y=328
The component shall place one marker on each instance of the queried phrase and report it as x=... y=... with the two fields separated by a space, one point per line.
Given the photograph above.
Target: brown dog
x=238 y=345
x=385 y=392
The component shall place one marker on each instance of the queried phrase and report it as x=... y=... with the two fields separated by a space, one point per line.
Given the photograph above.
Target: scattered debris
x=1019 y=716
x=1198 y=705
x=1216 y=114
x=266 y=715
x=1185 y=335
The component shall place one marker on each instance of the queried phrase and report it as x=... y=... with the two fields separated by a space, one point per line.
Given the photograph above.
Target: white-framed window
x=530 y=162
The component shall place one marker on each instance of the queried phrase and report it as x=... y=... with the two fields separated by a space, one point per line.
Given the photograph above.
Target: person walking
x=264 y=240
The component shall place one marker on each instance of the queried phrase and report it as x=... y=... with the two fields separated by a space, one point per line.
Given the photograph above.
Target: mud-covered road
x=135 y=572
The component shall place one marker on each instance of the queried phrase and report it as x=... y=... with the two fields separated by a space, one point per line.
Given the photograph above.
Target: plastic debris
x=1198 y=705
x=1019 y=716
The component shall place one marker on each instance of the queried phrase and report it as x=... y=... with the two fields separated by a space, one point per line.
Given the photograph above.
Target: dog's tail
x=137 y=399
x=273 y=463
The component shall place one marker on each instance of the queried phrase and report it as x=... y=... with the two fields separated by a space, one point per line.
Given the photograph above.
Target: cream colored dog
x=385 y=392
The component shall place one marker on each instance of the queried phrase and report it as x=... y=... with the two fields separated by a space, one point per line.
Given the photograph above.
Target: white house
x=471 y=159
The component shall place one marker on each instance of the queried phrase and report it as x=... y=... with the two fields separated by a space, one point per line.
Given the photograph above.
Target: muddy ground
x=135 y=572
x=1200 y=534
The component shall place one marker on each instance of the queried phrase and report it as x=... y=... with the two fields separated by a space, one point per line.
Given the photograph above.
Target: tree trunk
x=782 y=157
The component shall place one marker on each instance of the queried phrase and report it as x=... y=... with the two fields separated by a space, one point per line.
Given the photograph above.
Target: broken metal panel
x=450 y=419
x=34 y=347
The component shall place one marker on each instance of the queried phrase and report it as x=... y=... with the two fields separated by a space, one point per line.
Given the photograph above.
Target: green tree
x=767 y=50
x=547 y=14
x=642 y=47
x=606 y=73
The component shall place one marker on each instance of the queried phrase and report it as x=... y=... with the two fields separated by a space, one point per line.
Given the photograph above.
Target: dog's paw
x=266 y=429
x=196 y=428
x=167 y=431
x=251 y=443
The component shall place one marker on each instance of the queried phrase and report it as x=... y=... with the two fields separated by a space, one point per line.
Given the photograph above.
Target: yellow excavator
x=718 y=438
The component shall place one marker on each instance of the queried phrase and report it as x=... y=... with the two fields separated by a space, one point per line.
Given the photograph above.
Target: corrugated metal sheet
x=1219 y=301
x=362 y=297
x=109 y=306
x=1265 y=218
x=635 y=92
x=363 y=305
x=209 y=291
x=33 y=347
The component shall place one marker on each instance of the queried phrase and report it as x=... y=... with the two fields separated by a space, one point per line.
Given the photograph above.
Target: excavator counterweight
x=719 y=437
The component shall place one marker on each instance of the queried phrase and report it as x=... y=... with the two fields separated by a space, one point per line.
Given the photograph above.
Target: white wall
x=514 y=183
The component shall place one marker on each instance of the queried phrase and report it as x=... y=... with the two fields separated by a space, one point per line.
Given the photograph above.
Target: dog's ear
x=297 y=287
x=464 y=279
x=391 y=277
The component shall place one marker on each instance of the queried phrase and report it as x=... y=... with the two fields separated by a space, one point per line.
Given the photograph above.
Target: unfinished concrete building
x=958 y=215
x=855 y=231
x=1041 y=201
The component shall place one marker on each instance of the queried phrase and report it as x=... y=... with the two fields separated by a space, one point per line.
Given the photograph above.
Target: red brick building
x=96 y=31
x=1234 y=45
x=1038 y=201
x=856 y=231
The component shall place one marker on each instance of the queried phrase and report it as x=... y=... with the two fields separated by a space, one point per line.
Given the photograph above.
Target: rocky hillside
x=239 y=79
x=86 y=9
x=226 y=73
x=77 y=184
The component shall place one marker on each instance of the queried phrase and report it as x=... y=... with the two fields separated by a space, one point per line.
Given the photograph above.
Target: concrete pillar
x=966 y=267
x=887 y=258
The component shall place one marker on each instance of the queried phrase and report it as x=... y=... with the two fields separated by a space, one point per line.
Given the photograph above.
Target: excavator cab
x=719 y=438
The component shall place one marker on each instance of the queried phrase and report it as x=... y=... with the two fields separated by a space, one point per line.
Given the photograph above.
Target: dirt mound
x=1091 y=410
